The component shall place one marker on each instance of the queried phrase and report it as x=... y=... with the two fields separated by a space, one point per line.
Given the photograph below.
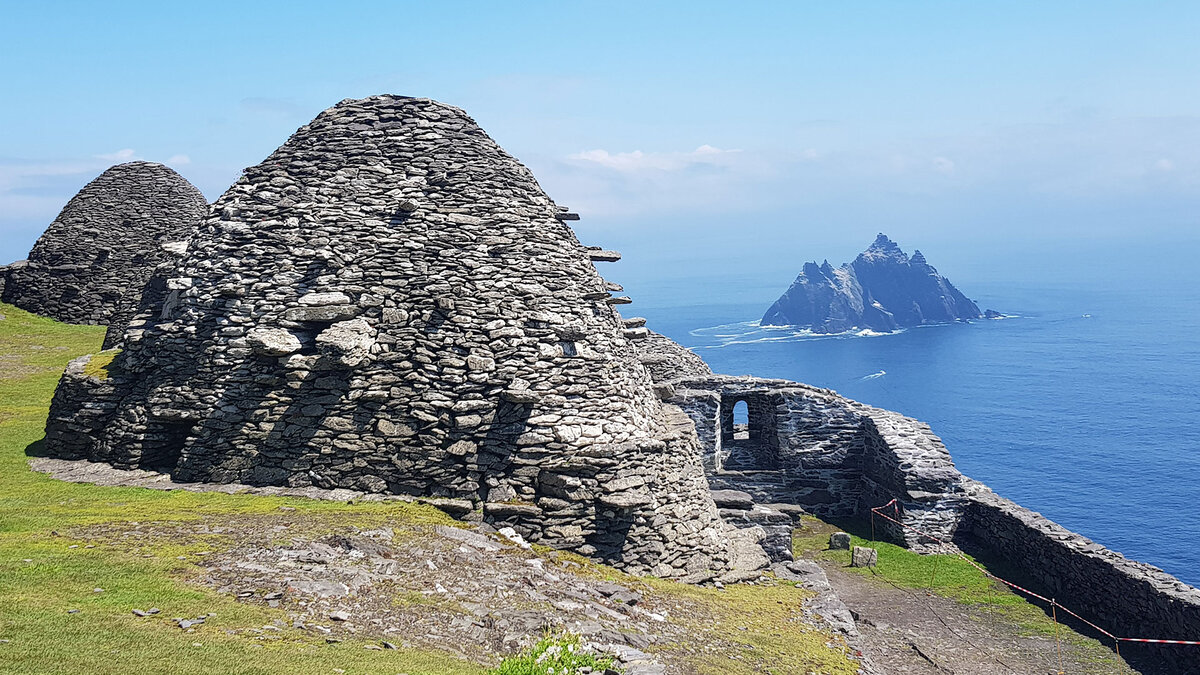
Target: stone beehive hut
x=91 y=263
x=390 y=303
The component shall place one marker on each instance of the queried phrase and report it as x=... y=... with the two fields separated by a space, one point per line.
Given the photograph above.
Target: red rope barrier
x=1052 y=603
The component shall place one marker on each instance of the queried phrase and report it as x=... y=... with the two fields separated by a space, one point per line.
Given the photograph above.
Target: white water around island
x=1084 y=406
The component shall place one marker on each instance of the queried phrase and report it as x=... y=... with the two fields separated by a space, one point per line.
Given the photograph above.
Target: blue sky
x=725 y=142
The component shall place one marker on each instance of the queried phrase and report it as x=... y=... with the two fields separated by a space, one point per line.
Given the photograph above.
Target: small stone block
x=864 y=557
x=839 y=541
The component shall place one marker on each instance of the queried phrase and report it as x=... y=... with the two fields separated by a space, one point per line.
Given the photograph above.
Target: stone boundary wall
x=1123 y=596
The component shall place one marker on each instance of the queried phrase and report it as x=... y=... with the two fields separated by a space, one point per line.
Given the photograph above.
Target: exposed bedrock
x=882 y=290
x=390 y=303
x=92 y=262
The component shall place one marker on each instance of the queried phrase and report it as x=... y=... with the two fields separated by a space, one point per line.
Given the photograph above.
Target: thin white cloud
x=943 y=165
x=655 y=161
x=124 y=155
x=179 y=160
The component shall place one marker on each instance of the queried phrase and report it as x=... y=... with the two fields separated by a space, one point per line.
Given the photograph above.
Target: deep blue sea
x=1084 y=406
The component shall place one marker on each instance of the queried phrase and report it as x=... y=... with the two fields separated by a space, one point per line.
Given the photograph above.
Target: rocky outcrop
x=390 y=303
x=882 y=290
x=92 y=262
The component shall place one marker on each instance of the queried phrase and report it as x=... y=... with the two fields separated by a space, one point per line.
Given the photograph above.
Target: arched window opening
x=741 y=420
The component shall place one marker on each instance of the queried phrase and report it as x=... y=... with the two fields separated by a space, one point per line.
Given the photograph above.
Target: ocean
x=1083 y=405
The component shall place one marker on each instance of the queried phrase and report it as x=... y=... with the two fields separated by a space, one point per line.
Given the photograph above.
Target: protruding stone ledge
x=635 y=322
x=664 y=391
x=601 y=255
x=620 y=300
x=273 y=342
x=625 y=500
x=520 y=396
x=636 y=333
x=504 y=510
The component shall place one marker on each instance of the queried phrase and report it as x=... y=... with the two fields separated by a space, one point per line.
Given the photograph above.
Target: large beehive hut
x=390 y=303
x=91 y=263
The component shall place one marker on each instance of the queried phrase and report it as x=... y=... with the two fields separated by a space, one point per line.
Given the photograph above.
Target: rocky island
x=882 y=290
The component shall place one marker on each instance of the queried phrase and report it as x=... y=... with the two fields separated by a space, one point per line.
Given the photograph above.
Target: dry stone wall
x=666 y=359
x=1122 y=596
x=91 y=263
x=390 y=303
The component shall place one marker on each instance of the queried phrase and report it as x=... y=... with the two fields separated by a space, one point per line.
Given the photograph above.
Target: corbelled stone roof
x=390 y=303
x=91 y=263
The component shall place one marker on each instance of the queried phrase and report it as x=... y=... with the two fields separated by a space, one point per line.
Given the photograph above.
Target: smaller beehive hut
x=391 y=303
x=91 y=263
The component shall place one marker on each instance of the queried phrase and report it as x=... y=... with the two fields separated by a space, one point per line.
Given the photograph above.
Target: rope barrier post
x=936 y=559
x=872 y=527
x=1057 y=642
x=1117 y=645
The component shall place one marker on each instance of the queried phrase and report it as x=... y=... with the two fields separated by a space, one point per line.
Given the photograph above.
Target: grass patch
x=98 y=366
x=556 y=654
x=764 y=627
x=945 y=575
x=761 y=626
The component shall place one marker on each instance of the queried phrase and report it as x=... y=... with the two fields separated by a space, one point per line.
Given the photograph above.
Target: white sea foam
x=873 y=376
x=751 y=332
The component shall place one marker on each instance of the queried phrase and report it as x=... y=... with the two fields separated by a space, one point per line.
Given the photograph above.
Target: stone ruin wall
x=810 y=447
x=91 y=263
x=390 y=303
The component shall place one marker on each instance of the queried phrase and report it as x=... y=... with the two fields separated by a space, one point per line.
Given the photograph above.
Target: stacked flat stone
x=91 y=263
x=390 y=303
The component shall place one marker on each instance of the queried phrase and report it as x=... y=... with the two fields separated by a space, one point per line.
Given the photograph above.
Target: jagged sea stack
x=91 y=263
x=882 y=290
x=390 y=303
